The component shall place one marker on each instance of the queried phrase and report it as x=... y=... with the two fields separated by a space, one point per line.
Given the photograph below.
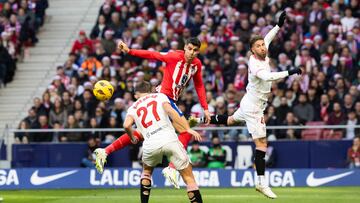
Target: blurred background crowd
x=20 y=20
x=322 y=37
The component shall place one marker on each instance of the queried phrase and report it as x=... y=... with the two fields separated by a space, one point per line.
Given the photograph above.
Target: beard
x=261 y=55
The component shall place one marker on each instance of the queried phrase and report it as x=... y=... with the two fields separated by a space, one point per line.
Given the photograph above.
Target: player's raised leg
x=102 y=153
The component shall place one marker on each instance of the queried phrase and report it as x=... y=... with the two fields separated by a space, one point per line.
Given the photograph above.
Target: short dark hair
x=194 y=41
x=255 y=39
x=143 y=87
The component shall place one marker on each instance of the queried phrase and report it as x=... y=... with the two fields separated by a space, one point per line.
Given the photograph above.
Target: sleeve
x=130 y=112
x=200 y=88
x=163 y=98
x=160 y=56
x=270 y=36
x=271 y=76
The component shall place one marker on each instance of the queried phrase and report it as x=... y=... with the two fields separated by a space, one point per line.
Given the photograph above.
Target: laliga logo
x=115 y=177
x=8 y=177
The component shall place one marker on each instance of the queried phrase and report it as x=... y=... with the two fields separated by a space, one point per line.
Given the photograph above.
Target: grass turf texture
x=211 y=195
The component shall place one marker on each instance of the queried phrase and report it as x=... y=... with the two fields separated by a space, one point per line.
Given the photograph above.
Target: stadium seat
x=311 y=134
x=313 y=123
x=332 y=135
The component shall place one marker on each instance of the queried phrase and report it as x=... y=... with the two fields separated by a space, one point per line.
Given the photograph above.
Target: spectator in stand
x=42 y=123
x=216 y=157
x=89 y=160
x=71 y=123
x=282 y=110
x=303 y=110
x=108 y=42
x=81 y=42
x=352 y=120
x=197 y=156
x=91 y=65
x=353 y=155
x=57 y=113
x=22 y=137
x=337 y=117
x=290 y=120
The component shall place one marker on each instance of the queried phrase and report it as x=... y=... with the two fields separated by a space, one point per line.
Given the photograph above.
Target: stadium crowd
x=20 y=20
x=322 y=37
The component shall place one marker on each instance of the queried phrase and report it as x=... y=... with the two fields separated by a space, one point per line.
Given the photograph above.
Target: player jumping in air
x=253 y=104
x=181 y=66
x=151 y=114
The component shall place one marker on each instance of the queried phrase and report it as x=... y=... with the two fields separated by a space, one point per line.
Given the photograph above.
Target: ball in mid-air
x=103 y=90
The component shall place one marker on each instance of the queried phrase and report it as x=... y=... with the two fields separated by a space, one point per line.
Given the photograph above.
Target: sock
x=145 y=191
x=260 y=165
x=195 y=196
x=217 y=119
x=121 y=142
x=185 y=138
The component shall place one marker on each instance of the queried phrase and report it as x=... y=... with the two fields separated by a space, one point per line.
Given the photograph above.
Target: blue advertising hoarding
x=80 y=178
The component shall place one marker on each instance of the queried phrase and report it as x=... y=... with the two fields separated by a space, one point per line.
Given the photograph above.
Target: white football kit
x=159 y=134
x=253 y=104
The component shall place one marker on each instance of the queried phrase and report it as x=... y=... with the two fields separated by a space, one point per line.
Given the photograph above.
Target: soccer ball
x=103 y=90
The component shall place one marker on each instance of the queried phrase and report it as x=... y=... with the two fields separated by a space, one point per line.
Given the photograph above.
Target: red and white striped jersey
x=177 y=73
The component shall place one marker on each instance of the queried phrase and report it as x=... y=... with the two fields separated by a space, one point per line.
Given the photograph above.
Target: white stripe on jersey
x=175 y=74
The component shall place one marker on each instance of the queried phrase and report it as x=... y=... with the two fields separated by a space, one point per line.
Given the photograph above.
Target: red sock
x=184 y=138
x=121 y=142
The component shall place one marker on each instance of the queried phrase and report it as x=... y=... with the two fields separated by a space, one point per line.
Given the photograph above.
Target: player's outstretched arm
x=271 y=76
x=129 y=121
x=143 y=53
x=272 y=33
x=179 y=124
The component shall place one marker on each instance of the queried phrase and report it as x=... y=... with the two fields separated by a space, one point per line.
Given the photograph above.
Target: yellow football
x=103 y=90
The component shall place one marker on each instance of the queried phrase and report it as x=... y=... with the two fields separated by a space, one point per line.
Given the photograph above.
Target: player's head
x=192 y=47
x=142 y=89
x=257 y=46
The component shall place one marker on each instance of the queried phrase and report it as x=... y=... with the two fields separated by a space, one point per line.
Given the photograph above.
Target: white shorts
x=252 y=112
x=173 y=150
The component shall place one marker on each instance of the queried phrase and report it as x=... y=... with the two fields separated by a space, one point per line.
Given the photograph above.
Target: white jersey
x=259 y=86
x=152 y=121
x=256 y=86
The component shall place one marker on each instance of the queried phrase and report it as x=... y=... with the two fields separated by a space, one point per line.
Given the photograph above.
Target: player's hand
x=295 y=71
x=282 y=19
x=196 y=135
x=207 y=117
x=123 y=47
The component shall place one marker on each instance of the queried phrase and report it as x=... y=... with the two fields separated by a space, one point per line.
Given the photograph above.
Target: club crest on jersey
x=193 y=69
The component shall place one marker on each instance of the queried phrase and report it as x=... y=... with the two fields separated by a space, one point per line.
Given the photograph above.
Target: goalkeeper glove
x=295 y=71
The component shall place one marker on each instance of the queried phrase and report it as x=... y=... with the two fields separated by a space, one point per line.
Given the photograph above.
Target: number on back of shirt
x=142 y=113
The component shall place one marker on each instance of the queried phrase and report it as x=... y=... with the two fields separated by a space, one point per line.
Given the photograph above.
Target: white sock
x=261 y=180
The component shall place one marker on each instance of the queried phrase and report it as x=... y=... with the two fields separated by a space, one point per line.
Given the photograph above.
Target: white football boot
x=266 y=190
x=100 y=159
x=171 y=175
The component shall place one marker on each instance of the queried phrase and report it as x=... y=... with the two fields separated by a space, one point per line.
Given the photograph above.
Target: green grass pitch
x=213 y=195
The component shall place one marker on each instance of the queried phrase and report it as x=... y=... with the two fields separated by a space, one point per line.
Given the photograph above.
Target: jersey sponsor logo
x=314 y=182
x=37 y=180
